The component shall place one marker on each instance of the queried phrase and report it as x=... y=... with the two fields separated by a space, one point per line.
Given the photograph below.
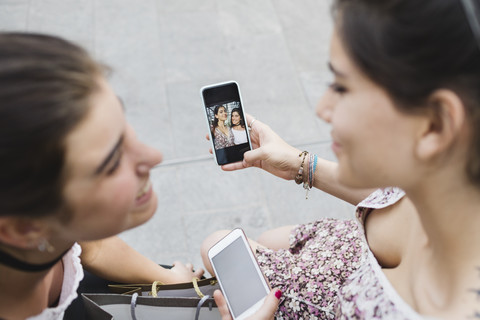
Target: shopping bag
x=190 y=300
x=134 y=307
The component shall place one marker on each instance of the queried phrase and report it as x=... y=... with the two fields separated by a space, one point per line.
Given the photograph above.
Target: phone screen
x=227 y=122
x=241 y=283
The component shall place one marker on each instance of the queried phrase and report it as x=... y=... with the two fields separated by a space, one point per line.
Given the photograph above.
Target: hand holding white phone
x=242 y=282
x=266 y=312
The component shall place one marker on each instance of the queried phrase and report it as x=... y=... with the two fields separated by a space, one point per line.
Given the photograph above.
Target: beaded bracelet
x=299 y=177
x=311 y=173
x=310 y=165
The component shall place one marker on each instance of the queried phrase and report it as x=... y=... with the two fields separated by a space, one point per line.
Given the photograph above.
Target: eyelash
x=337 y=88
x=115 y=165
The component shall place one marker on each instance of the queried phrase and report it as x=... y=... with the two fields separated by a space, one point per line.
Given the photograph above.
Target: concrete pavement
x=162 y=52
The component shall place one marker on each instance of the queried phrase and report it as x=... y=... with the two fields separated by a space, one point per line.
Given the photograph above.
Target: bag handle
x=199 y=306
x=133 y=305
x=197 y=289
x=195 y=286
x=154 y=288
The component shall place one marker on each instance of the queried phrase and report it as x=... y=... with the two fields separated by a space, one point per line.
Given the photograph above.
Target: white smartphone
x=242 y=282
x=226 y=121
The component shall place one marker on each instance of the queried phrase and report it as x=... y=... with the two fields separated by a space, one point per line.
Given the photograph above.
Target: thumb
x=222 y=305
x=252 y=156
x=270 y=306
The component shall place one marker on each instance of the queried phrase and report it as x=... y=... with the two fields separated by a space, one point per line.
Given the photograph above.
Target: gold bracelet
x=299 y=177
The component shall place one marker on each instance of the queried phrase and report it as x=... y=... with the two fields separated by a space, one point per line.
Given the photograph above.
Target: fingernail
x=278 y=294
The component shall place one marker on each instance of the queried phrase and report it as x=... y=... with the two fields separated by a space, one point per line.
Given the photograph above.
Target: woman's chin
x=147 y=211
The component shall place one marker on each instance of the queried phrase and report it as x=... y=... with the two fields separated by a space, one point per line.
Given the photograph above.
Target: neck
x=450 y=216
x=448 y=264
x=21 y=265
x=36 y=290
x=31 y=260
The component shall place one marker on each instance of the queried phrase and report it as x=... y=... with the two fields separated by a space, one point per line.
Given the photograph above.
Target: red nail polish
x=278 y=294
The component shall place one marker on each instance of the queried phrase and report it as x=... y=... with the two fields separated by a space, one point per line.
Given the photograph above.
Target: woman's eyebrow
x=110 y=155
x=335 y=71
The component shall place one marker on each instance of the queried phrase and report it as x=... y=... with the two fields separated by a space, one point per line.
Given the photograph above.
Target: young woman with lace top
x=72 y=176
x=222 y=133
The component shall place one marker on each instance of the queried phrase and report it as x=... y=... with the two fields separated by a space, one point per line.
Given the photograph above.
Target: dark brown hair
x=412 y=48
x=215 y=112
x=45 y=87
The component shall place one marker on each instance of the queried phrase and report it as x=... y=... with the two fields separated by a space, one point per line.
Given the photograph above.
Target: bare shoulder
x=388 y=231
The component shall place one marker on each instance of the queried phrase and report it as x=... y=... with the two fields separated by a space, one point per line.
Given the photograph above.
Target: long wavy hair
x=239 y=111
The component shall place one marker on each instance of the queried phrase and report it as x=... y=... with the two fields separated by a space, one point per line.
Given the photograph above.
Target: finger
x=252 y=156
x=250 y=121
x=270 y=306
x=233 y=166
x=249 y=118
x=210 y=150
x=177 y=265
x=199 y=273
x=207 y=137
x=222 y=305
x=250 y=159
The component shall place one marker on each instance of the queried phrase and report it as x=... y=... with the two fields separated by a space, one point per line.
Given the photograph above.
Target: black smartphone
x=226 y=121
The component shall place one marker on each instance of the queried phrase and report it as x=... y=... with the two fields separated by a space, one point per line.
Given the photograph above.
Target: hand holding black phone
x=226 y=121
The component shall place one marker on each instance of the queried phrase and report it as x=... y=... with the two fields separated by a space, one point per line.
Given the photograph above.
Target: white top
x=73 y=273
x=240 y=136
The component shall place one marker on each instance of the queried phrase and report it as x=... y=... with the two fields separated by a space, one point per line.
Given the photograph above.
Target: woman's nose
x=324 y=108
x=149 y=158
x=144 y=156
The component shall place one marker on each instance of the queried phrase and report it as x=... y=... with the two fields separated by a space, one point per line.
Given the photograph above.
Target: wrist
x=306 y=171
x=294 y=163
x=302 y=169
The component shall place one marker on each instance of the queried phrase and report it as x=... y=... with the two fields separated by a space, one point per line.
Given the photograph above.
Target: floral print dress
x=367 y=293
x=221 y=140
x=323 y=273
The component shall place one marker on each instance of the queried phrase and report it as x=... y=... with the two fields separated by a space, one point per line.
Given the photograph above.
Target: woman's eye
x=337 y=88
x=115 y=165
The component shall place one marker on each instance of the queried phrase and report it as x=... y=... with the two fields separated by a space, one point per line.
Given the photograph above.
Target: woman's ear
x=20 y=232
x=442 y=126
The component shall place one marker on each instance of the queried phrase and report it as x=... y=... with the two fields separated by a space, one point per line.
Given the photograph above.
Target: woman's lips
x=144 y=194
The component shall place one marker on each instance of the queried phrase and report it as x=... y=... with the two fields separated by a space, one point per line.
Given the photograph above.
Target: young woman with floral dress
x=404 y=108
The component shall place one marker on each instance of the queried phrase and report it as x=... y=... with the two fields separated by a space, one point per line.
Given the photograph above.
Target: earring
x=44 y=245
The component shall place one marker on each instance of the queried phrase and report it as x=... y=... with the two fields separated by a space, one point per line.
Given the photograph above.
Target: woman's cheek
x=123 y=192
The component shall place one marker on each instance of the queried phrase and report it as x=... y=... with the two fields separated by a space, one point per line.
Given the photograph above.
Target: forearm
x=325 y=177
x=327 y=181
x=274 y=155
x=114 y=260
